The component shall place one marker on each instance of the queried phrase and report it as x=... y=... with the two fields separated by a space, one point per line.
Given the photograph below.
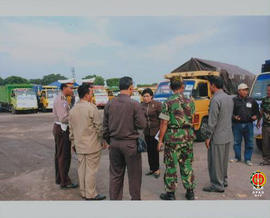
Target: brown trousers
x=62 y=155
x=124 y=154
x=266 y=142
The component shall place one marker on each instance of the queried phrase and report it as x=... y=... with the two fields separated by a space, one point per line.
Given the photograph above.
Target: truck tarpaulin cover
x=231 y=74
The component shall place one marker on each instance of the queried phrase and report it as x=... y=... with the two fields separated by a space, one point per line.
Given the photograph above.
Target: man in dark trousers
x=265 y=114
x=219 y=136
x=246 y=110
x=123 y=117
x=61 y=109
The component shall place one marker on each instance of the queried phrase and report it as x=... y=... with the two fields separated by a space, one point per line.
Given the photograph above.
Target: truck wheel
x=259 y=144
x=201 y=133
x=43 y=109
x=13 y=111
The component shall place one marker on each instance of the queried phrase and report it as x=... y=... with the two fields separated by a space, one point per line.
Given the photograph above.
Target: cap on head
x=242 y=86
x=66 y=83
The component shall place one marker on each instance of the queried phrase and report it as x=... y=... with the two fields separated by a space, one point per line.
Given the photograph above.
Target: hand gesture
x=105 y=145
x=207 y=143
x=160 y=146
x=254 y=117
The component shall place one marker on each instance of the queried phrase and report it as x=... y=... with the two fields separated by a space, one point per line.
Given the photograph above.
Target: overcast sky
x=145 y=48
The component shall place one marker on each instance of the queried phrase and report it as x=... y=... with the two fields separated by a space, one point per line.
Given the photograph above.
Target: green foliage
x=99 y=80
x=113 y=82
x=15 y=80
x=46 y=80
x=90 y=76
x=36 y=81
x=1 y=81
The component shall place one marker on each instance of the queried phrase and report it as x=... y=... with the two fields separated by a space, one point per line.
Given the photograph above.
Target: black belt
x=181 y=127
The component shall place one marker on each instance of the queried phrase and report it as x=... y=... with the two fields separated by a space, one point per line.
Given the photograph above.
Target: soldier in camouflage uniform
x=178 y=134
x=265 y=113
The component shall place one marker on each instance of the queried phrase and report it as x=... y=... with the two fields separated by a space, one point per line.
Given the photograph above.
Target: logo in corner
x=258 y=180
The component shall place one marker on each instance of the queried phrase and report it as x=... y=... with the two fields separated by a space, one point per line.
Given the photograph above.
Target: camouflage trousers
x=181 y=154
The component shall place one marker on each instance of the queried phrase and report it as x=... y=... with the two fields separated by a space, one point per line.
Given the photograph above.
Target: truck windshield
x=100 y=92
x=259 y=89
x=25 y=92
x=189 y=86
x=164 y=88
x=52 y=93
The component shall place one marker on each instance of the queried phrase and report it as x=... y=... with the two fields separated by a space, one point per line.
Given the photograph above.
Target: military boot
x=190 y=194
x=167 y=196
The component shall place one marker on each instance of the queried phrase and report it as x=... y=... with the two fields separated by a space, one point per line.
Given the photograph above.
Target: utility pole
x=73 y=73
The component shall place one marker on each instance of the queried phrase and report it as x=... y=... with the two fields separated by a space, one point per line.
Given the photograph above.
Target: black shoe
x=99 y=197
x=69 y=186
x=190 y=194
x=226 y=185
x=212 y=189
x=156 y=175
x=149 y=173
x=167 y=196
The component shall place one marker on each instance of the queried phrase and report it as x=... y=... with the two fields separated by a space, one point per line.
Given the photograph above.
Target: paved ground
x=27 y=173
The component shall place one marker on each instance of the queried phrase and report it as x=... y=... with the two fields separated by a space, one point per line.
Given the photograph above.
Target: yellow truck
x=46 y=97
x=197 y=87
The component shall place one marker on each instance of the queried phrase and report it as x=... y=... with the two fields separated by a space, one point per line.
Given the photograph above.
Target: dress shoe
x=212 y=189
x=149 y=173
x=167 y=196
x=156 y=175
x=97 y=198
x=69 y=186
x=190 y=194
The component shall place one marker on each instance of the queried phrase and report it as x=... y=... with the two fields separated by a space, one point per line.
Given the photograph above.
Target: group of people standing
x=167 y=126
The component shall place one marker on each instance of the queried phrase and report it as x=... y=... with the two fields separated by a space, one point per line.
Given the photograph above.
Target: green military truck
x=18 y=97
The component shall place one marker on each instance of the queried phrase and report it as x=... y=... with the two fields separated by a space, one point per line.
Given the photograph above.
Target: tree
x=46 y=80
x=90 y=76
x=146 y=85
x=36 y=81
x=15 y=80
x=113 y=82
x=99 y=80
x=1 y=81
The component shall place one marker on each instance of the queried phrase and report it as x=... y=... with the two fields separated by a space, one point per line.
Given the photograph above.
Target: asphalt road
x=27 y=167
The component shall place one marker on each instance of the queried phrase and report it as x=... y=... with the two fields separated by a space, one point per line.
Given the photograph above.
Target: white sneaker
x=234 y=160
x=248 y=162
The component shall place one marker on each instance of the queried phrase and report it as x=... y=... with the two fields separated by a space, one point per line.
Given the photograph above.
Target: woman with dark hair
x=152 y=110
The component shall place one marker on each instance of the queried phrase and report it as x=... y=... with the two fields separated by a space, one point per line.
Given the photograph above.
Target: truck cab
x=47 y=96
x=197 y=87
x=23 y=99
x=258 y=92
x=100 y=98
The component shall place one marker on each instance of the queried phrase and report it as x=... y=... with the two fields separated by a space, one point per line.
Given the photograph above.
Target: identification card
x=249 y=105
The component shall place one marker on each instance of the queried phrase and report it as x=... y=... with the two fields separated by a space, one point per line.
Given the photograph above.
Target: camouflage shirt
x=266 y=111
x=178 y=111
